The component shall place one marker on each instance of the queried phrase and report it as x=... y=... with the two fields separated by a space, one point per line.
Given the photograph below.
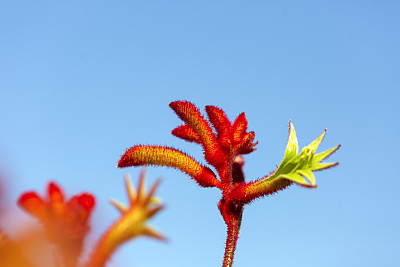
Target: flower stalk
x=231 y=241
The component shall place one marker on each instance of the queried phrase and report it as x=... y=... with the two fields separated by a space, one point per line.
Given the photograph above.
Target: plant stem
x=129 y=226
x=231 y=240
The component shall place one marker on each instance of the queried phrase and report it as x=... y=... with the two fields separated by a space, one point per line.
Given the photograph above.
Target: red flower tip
x=33 y=204
x=126 y=161
x=87 y=201
x=184 y=109
x=28 y=196
x=80 y=207
x=55 y=193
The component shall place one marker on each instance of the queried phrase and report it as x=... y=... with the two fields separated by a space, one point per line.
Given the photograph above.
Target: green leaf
x=292 y=147
x=299 y=168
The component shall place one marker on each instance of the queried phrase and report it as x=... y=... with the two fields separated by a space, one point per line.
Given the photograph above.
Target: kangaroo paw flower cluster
x=224 y=143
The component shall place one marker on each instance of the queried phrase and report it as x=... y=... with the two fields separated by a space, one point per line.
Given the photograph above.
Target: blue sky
x=81 y=81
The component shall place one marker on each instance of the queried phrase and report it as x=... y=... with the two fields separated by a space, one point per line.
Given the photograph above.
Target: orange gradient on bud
x=142 y=155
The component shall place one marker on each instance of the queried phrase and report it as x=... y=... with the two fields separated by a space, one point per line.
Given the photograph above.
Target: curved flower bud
x=164 y=156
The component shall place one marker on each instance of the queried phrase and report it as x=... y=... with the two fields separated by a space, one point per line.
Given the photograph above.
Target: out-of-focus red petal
x=79 y=208
x=56 y=199
x=55 y=193
x=87 y=201
x=32 y=203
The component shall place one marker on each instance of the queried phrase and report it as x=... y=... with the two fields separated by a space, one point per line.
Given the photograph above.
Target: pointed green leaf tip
x=299 y=168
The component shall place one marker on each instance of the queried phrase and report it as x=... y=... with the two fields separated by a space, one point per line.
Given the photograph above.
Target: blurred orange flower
x=65 y=222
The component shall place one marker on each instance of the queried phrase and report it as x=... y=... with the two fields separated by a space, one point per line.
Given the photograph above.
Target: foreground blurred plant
x=66 y=223
x=223 y=149
x=132 y=223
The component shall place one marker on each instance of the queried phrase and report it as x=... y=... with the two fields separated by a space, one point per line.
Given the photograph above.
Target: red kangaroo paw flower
x=165 y=156
x=190 y=114
x=224 y=153
x=222 y=125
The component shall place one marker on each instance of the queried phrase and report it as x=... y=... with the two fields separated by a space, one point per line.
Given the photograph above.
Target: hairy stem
x=231 y=241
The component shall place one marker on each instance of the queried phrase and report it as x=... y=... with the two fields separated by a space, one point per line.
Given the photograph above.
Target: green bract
x=299 y=168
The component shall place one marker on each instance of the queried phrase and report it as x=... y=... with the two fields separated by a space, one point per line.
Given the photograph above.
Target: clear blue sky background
x=81 y=81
